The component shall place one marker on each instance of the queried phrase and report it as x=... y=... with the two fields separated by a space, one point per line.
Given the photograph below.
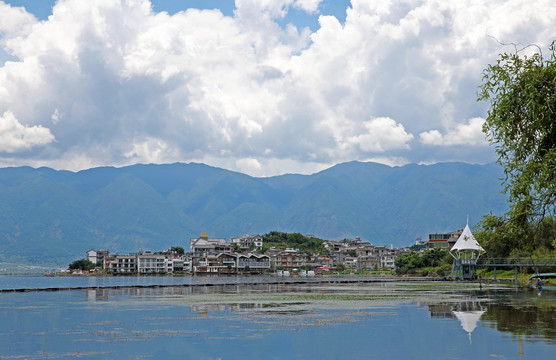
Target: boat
x=543 y=276
x=546 y=281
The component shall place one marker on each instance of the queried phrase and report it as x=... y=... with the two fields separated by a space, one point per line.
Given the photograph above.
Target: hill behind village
x=51 y=217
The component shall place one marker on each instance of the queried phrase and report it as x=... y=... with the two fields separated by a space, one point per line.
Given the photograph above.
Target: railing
x=519 y=262
x=253 y=264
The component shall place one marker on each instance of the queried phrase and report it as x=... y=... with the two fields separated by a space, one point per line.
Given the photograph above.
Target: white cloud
x=115 y=83
x=432 y=137
x=310 y=6
x=15 y=21
x=150 y=150
x=275 y=8
x=248 y=165
x=56 y=116
x=16 y=137
x=382 y=134
x=462 y=134
x=390 y=161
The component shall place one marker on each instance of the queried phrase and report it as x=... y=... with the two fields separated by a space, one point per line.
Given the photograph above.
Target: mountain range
x=52 y=217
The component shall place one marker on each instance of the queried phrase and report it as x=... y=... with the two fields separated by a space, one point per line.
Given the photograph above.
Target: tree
x=521 y=123
x=82 y=264
x=178 y=249
x=305 y=244
x=494 y=235
x=418 y=260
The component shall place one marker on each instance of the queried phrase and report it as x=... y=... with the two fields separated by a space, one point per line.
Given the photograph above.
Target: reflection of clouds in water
x=53 y=355
x=285 y=307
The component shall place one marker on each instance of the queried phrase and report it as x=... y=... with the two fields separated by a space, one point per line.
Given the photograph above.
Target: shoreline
x=282 y=282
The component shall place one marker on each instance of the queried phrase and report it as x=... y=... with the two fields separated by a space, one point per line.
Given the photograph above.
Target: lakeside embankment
x=34 y=284
x=113 y=282
x=15 y=283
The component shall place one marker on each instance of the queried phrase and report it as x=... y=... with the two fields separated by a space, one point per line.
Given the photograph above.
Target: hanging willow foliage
x=521 y=124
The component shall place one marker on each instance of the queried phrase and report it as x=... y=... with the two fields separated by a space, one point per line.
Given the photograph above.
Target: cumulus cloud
x=115 y=82
x=275 y=8
x=249 y=165
x=462 y=134
x=382 y=134
x=16 y=137
x=14 y=21
x=150 y=150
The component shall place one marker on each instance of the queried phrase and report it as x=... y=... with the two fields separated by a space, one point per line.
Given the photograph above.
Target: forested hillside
x=53 y=217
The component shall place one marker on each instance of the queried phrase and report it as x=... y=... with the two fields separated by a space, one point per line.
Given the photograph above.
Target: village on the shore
x=245 y=255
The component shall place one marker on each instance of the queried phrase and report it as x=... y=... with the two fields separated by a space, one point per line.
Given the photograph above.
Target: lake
x=252 y=317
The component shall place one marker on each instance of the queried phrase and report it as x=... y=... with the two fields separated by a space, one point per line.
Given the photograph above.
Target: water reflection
x=522 y=315
x=468 y=313
x=204 y=309
x=312 y=321
x=104 y=294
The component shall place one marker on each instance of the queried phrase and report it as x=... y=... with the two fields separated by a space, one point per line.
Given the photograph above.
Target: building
x=151 y=264
x=333 y=246
x=289 y=259
x=122 y=264
x=96 y=256
x=145 y=262
x=445 y=241
x=203 y=246
x=362 y=255
x=229 y=263
x=207 y=265
x=248 y=242
x=253 y=262
x=371 y=262
x=321 y=260
x=388 y=261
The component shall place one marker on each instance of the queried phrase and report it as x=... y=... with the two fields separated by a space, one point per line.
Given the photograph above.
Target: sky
x=264 y=87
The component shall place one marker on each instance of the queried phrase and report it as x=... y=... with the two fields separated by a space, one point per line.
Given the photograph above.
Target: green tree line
x=521 y=124
x=282 y=240
x=435 y=259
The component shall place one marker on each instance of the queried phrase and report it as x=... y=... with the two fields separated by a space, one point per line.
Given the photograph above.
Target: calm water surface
x=276 y=321
x=45 y=282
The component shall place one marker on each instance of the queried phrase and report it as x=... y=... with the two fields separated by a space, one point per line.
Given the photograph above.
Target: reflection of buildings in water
x=97 y=295
x=103 y=294
x=468 y=313
x=441 y=311
x=203 y=309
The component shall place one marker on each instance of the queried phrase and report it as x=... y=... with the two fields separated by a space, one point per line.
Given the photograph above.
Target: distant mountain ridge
x=53 y=217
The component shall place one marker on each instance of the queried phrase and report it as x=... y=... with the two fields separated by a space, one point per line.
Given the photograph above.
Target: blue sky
x=43 y=8
x=263 y=87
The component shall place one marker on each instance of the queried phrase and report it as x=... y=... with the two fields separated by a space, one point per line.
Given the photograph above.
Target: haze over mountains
x=52 y=217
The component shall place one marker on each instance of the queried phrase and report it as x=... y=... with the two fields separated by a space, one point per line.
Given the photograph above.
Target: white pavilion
x=466 y=251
